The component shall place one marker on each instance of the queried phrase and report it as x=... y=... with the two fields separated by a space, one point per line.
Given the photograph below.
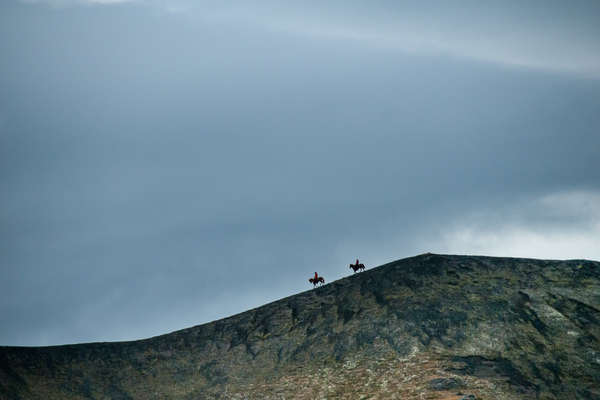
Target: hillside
x=426 y=327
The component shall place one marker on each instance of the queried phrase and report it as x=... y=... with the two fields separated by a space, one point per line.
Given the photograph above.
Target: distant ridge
x=430 y=326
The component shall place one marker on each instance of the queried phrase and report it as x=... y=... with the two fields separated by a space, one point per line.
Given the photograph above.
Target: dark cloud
x=160 y=171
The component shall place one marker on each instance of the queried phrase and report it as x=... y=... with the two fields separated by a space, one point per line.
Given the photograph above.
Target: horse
x=357 y=267
x=317 y=279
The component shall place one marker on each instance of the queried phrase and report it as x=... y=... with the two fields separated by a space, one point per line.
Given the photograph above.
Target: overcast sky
x=165 y=163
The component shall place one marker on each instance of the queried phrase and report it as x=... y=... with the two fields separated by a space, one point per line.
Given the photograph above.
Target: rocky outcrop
x=431 y=326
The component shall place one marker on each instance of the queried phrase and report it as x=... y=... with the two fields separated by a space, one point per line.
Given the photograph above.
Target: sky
x=166 y=163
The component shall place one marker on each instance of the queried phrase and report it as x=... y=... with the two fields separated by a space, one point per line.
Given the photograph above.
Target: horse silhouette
x=357 y=266
x=317 y=279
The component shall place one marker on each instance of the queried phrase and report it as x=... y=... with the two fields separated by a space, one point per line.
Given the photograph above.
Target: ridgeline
x=426 y=327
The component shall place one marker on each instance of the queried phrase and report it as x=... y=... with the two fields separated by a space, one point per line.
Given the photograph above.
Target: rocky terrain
x=426 y=327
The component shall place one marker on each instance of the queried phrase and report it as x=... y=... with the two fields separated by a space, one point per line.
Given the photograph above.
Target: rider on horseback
x=317 y=279
x=357 y=266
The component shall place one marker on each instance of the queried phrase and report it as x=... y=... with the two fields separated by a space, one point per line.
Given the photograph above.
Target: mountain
x=426 y=327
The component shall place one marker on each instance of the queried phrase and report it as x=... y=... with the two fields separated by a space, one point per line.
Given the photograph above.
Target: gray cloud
x=160 y=170
x=546 y=36
x=79 y=2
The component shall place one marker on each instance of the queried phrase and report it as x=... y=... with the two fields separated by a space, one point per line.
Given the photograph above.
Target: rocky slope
x=426 y=327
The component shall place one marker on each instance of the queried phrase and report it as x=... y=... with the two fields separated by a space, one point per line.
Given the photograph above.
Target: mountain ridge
x=479 y=325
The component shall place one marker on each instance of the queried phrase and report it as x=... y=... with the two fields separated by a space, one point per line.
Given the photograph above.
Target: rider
x=316 y=276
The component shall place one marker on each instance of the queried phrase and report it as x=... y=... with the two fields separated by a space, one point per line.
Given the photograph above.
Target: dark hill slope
x=429 y=327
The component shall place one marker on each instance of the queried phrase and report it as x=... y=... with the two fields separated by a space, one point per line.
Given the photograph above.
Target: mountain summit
x=426 y=327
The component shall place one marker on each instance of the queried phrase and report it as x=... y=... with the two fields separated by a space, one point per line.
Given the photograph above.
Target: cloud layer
x=162 y=169
x=80 y=2
x=549 y=37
